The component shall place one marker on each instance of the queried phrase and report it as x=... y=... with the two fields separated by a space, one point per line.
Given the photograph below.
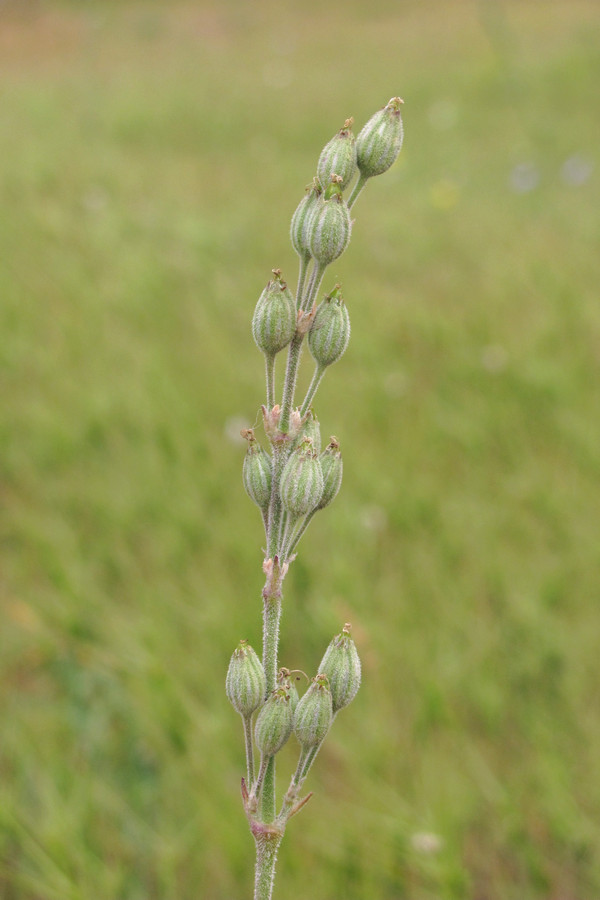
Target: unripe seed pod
x=329 y=229
x=287 y=680
x=333 y=188
x=274 y=723
x=256 y=473
x=314 y=713
x=245 y=684
x=338 y=156
x=301 y=484
x=330 y=331
x=341 y=664
x=380 y=141
x=294 y=695
x=310 y=429
x=274 y=319
x=332 y=466
x=299 y=228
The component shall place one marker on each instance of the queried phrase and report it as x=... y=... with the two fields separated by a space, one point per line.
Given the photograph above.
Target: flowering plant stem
x=294 y=481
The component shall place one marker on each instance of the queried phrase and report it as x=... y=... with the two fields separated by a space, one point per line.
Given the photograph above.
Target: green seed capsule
x=314 y=713
x=341 y=664
x=299 y=228
x=338 y=157
x=274 y=723
x=287 y=680
x=245 y=684
x=256 y=474
x=274 y=319
x=380 y=141
x=332 y=466
x=329 y=229
x=310 y=429
x=330 y=331
x=301 y=485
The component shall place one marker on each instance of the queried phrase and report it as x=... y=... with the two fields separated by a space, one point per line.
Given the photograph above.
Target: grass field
x=151 y=157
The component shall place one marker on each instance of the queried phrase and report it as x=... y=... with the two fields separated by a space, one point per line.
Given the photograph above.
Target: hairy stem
x=260 y=777
x=271 y=617
x=309 y=760
x=362 y=180
x=267 y=845
x=270 y=376
x=249 y=748
x=314 y=284
x=304 y=264
x=284 y=527
x=274 y=513
x=287 y=551
x=272 y=614
x=312 y=388
x=295 y=349
x=289 y=385
x=267 y=797
x=297 y=776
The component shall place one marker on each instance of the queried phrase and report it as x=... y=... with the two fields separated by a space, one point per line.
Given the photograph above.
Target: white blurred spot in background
x=426 y=842
x=576 y=170
x=373 y=519
x=494 y=358
x=524 y=177
x=95 y=199
x=233 y=427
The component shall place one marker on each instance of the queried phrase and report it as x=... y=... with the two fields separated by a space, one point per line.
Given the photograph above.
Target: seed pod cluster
x=296 y=479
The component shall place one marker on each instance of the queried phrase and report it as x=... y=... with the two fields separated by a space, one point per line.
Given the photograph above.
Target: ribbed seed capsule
x=329 y=229
x=287 y=680
x=299 y=228
x=341 y=664
x=332 y=466
x=245 y=684
x=256 y=472
x=310 y=429
x=274 y=723
x=380 y=141
x=338 y=156
x=330 y=331
x=274 y=319
x=314 y=713
x=301 y=485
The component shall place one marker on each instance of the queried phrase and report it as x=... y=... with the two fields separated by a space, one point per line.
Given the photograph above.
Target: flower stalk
x=294 y=480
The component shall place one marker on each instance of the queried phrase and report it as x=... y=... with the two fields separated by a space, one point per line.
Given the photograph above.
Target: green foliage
x=151 y=156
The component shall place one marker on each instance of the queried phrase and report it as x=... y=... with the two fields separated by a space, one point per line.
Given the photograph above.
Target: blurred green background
x=151 y=156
